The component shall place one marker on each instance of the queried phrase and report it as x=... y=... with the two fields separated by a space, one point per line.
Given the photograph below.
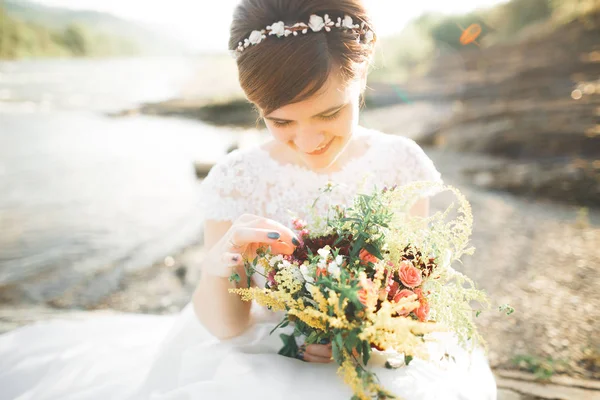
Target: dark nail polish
x=300 y=355
x=273 y=235
x=235 y=258
x=295 y=241
x=324 y=341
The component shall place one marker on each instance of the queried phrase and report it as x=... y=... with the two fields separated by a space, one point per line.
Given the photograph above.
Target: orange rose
x=422 y=312
x=409 y=275
x=366 y=257
x=401 y=294
x=367 y=286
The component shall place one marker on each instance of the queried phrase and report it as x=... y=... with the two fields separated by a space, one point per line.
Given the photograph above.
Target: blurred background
x=111 y=112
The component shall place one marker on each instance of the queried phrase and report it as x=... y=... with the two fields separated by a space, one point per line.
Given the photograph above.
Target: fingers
x=319 y=350
x=225 y=268
x=280 y=238
x=315 y=353
x=232 y=259
x=282 y=248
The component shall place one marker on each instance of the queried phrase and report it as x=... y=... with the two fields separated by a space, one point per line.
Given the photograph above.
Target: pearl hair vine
x=316 y=23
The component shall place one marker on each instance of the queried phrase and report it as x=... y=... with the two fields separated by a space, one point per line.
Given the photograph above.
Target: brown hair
x=280 y=71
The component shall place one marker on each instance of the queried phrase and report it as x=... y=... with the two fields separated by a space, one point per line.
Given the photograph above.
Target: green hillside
x=29 y=30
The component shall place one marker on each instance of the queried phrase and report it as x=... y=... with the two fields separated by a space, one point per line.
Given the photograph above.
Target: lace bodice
x=250 y=181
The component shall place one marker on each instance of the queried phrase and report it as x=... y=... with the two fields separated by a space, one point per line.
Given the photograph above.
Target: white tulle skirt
x=175 y=358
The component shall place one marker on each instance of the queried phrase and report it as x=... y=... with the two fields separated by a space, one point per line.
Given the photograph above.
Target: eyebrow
x=316 y=115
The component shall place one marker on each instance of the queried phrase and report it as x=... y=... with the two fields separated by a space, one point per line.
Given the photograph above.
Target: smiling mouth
x=321 y=149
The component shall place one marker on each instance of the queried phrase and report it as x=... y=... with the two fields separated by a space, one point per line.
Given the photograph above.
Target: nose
x=309 y=142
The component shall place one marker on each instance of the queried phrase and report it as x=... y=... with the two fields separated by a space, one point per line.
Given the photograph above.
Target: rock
x=505 y=394
x=203 y=168
x=232 y=147
x=547 y=391
x=181 y=272
x=573 y=181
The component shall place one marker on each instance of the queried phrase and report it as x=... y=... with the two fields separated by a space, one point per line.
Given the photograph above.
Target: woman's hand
x=318 y=353
x=248 y=233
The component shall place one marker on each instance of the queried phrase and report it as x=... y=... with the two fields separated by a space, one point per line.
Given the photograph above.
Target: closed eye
x=331 y=116
x=281 y=124
x=284 y=123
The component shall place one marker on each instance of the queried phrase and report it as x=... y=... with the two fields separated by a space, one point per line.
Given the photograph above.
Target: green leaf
x=373 y=250
x=337 y=353
x=290 y=348
x=408 y=359
x=366 y=352
x=352 y=340
x=235 y=277
x=274 y=329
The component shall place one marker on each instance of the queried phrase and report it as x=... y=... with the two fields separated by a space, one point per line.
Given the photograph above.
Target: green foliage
x=74 y=38
x=510 y=18
x=542 y=368
x=411 y=51
x=20 y=39
x=448 y=31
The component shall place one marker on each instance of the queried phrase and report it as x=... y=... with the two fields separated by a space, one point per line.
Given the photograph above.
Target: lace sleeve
x=222 y=193
x=416 y=166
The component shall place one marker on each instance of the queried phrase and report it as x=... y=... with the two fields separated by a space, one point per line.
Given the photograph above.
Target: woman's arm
x=223 y=314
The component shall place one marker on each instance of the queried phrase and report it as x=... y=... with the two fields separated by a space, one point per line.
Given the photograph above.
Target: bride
x=303 y=64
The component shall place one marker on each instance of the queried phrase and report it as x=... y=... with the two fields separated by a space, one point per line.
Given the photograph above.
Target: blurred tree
x=19 y=39
x=74 y=38
x=510 y=18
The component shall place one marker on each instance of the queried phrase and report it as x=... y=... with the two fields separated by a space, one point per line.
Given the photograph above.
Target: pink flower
x=394 y=286
x=409 y=275
x=401 y=294
x=366 y=257
x=299 y=224
x=304 y=232
x=271 y=278
x=422 y=312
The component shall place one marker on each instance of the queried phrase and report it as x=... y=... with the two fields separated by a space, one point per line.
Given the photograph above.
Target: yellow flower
x=311 y=317
x=318 y=296
x=348 y=372
x=263 y=297
x=286 y=281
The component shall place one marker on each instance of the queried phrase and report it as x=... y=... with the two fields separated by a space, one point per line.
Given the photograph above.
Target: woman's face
x=319 y=128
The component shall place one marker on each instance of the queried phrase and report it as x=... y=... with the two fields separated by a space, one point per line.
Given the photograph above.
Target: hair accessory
x=315 y=24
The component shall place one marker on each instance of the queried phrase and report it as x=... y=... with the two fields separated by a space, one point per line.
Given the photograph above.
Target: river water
x=80 y=191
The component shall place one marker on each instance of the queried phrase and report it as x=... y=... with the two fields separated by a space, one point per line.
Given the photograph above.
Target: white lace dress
x=175 y=358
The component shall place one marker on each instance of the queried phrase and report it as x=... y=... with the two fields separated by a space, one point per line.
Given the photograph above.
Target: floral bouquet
x=373 y=281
